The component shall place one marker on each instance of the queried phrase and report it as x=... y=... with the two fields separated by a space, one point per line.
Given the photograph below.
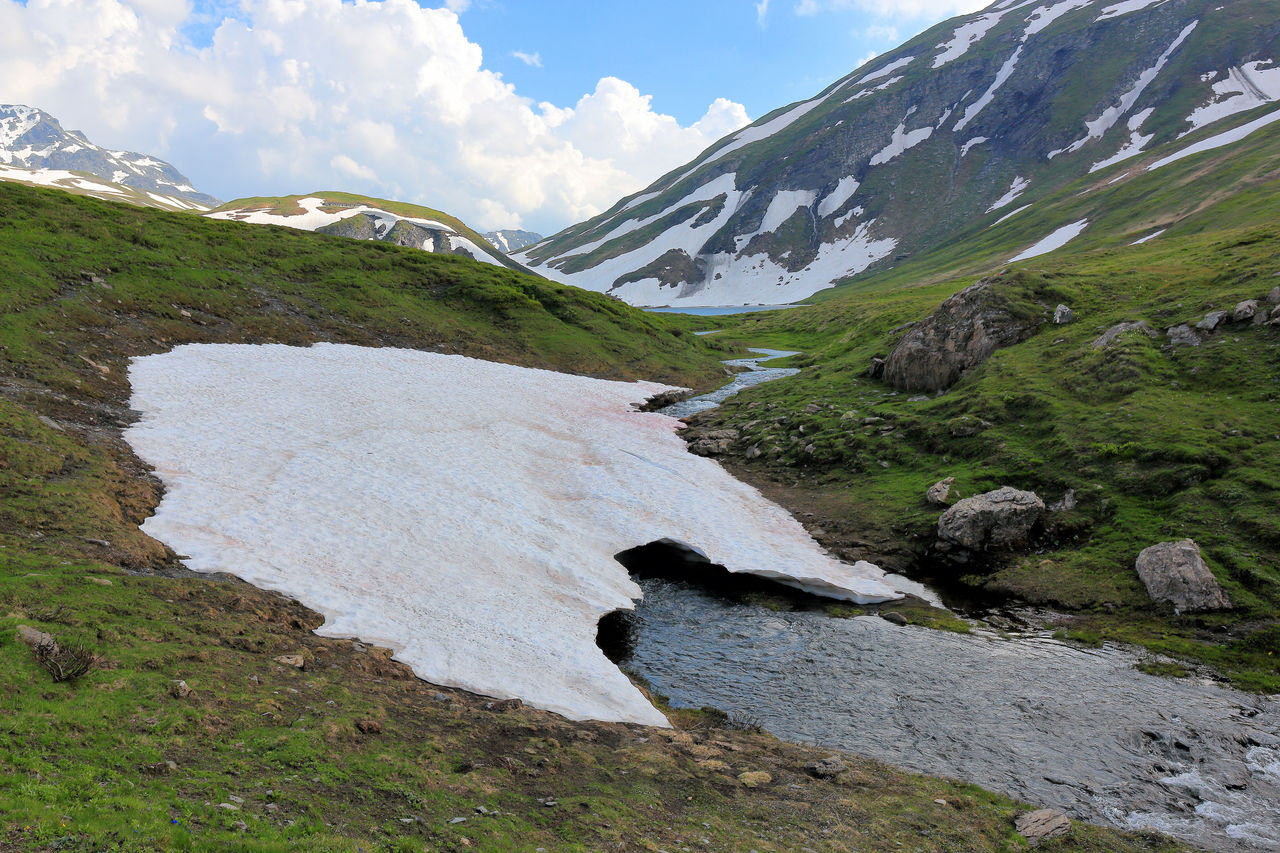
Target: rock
x=369 y=726
x=825 y=768
x=813 y=408
x=1275 y=313
x=664 y=399
x=966 y=426
x=1063 y=314
x=295 y=661
x=51 y=423
x=1175 y=572
x=453 y=821
x=876 y=370
x=1067 y=503
x=1273 y=297
x=99 y=581
x=1108 y=337
x=229 y=807
x=1244 y=310
x=1041 y=824
x=918 y=398
x=754 y=778
x=893 y=617
x=998 y=519
x=1183 y=336
x=714 y=442
x=753 y=452
x=503 y=705
x=181 y=690
x=1211 y=320
x=957 y=337
x=36 y=638
x=939 y=493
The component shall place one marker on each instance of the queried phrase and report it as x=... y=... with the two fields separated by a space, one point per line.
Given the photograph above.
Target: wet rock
x=295 y=661
x=664 y=399
x=1183 y=336
x=36 y=638
x=754 y=778
x=1244 y=310
x=1176 y=573
x=825 y=768
x=939 y=494
x=1108 y=337
x=960 y=335
x=1211 y=320
x=1041 y=824
x=1063 y=314
x=1067 y=503
x=893 y=617
x=998 y=519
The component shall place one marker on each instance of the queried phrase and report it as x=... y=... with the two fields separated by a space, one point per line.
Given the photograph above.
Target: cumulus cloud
x=378 y=96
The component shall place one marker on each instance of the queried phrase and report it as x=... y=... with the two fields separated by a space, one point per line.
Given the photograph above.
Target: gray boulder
x=1041 y=824
x=1108 y=337
x=999 y=519
x=714 y=443
x=1274 y=296
x=960 y=335
x=1211 y=320
x=1175 y=572
x=1063 y=314
x=940 y=492
x=1244 y=310
x=826 y=768
x=1183 y=336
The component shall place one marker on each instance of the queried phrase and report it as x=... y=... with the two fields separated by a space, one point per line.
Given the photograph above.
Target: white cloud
x=534 y=59
x=377 y=96
x=895 y=9
x=762 y=11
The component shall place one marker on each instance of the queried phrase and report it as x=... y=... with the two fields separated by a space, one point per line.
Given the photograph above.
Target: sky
x=507 y=114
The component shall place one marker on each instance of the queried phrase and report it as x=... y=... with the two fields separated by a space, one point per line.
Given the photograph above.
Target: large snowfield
x=464 y=513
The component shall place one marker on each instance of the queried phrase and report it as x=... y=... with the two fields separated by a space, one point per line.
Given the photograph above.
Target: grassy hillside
x=1157 y=442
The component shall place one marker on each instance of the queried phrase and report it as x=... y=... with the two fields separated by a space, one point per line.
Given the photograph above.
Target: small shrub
x=64 y=663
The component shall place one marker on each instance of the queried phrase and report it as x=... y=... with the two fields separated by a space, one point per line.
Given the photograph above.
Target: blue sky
x=502 y=112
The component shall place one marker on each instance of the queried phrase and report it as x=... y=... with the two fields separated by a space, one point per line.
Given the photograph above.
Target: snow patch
x=1221 y=139
x=782 y=206
x=1015 y=189
x=835 y=199
x=464 y=513
x=977 y=140
x=966 y=36
x=1043 y=16
x=902 y=140
x=1056 y=240
x=1150 y=236
x=886 y=70
x=1248 y=86
x=1001 y=77
x=1125 y=7
x=1008 y=215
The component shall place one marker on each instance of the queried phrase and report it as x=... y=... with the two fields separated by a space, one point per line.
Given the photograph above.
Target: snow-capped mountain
x=510 y=240
x=363 y=218
x=973 y=120
x=35 y=148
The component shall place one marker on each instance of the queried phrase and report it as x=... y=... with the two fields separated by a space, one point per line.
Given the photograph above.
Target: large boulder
x=995 y=520
x=1175 y=572
x=1107 y=338
x=960 y=335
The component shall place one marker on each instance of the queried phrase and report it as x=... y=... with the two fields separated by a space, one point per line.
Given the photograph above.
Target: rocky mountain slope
x=511 y=239
x=969 y=123
x=35 y=149
x=364 y=218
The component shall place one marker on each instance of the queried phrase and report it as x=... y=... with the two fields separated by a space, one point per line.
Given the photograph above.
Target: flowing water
x=753 y=374
x=1078 y=729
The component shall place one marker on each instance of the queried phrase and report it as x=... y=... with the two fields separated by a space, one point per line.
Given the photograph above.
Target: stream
x=1028 y=716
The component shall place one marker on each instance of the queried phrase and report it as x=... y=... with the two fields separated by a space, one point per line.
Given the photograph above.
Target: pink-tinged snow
x=1221 y=139
x=782 y=206
x=835 y=199
x=1244 y=88
x=464 y=513
x=1016 y=189
x=1001 y=77
x=886 y=70
x=901 y=140
x=1043 y=16
x=1150 y=236
x=1096 y=128
x=313 y=217
x=1125 y=7
x=1056 y=240
x=1137 y=142
x=1009 y=215
x=977 y=140
x=757 y=280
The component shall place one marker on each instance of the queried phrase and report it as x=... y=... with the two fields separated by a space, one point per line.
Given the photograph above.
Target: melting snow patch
x=1151 y=236
x=902 y=140
x=1043 y=16
x=1009 y=215
x=835 y=199
x=886 y=70
x=977 y=140
x=1056 y=240
x=1132 y=148
x=1001 y=76
x=1125 y=7
x=782 y=206
x=465 y=513
x=965 y=36
x=1226 y=138
x=1015 y=189
x=1244 y=88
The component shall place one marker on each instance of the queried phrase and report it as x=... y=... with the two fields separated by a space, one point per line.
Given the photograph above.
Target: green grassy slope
x=1157 y=442
x=350 y=752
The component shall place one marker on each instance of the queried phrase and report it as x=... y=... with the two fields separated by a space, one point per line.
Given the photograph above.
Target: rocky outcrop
x=1041 y=824
x=1183 y=336
x=715 y=442
x=1174 y=572
x=996 y=520
x=362 y=226
x=1107 y=338
x=1244 y=311
x=1210 y=321
x=1062 y=314
x=959 y=336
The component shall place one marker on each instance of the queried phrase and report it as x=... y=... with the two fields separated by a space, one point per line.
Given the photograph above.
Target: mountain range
x=972 y=122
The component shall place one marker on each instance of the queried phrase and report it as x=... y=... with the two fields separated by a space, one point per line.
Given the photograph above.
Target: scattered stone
x=958 y=336
x=826 y=768
x=549 y=802
x=813 y=408
x=1274 y=296
x=181 y=690
x=1002 y=518
x=941 y=801
x=503 y=705
x=441 y=697
x=876 y=370
x=36 y=638
x=1175 y=572
x=1244 y=310
x=369 y=726
x=1108 y=337
x=99 y=581
x=1183 y=336
x=1067 y=503
x=753 y=452
x=51 y=423
x=295 y=661
x=1041 y=824
x=1063 y=314
x=918 y=398
x=1275 y=313
x=229 y=807
x=1211 y=320
x=239 y=801
x=481 y=810
x=453 y=821
x=754 y=778
x=715 y=442
x=966 y=426
x=893 y=617
x=939 y=494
